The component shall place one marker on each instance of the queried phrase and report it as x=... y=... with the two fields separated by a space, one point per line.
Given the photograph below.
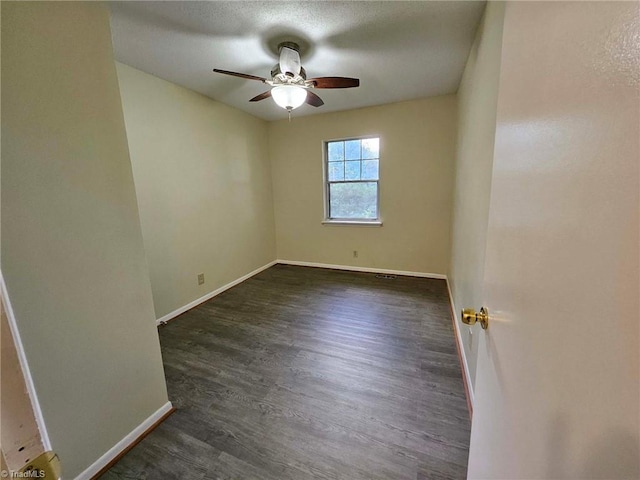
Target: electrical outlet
x=200 y=278
x=355 y=254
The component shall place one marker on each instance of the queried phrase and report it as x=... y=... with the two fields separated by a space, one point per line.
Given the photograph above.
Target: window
x=351 y=174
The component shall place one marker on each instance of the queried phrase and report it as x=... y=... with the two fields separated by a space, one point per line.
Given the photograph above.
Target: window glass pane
x=336 y=171
x=353 y=200
x=370 y=170
x=352 y=170
x=336 y=151
x=352 y=150
x=370 y=148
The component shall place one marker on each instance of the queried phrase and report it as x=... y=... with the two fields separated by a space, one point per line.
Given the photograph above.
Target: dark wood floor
x=302 y=373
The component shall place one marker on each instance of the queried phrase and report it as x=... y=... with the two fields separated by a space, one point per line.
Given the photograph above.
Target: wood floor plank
x=189 y=457
x=303 y=373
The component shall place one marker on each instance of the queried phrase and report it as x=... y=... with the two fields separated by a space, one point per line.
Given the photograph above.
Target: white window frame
x=365 y=222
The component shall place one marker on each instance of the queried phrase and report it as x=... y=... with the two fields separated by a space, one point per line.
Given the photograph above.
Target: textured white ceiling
x=399 y=50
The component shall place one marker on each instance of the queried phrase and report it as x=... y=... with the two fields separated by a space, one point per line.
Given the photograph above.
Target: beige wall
x=417 y=148
x=72 y=252
x=204 y=187
x=477 y=104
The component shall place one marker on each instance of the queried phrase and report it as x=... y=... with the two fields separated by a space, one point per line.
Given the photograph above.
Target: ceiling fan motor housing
x=275 y=71
x=289 y=59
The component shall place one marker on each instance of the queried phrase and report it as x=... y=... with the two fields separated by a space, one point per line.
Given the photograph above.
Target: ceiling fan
x=290 y=87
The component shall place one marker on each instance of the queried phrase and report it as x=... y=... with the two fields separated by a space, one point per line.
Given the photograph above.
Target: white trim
x=24 y=364
x=119 y=447
x=377 y=222
x=363 y=269
x=357 y=223
x=218 y=291
x=465 y=365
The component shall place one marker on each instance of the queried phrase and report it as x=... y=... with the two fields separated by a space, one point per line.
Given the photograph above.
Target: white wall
x=558 y=391
x=203 y=179
x=477 y=104
x=417 y=149
x=72 y=252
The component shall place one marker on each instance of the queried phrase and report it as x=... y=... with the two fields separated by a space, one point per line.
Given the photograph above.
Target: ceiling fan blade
x=262 y=96
x=313 y=99
x=241 y=75
x=335 y=82
x=289 y=61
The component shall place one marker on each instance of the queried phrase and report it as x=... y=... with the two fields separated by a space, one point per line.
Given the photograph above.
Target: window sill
x=355 y=223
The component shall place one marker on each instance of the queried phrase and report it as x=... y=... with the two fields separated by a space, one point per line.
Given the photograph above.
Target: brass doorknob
x=470 y=317
x=46 y=465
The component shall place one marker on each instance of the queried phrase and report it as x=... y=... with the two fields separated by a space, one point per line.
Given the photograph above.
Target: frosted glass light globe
x=289 y=97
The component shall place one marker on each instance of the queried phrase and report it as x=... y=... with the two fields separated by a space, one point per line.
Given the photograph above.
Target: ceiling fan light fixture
x=289 y=97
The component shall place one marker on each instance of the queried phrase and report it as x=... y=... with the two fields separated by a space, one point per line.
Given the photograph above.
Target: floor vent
x=386 y=276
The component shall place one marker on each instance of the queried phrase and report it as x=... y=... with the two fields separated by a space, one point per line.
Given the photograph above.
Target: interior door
x=557 y=380
x=19 y=434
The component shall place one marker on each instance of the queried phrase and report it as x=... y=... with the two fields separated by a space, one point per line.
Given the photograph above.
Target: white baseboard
x=362 y=269
x=218 y=291
x=440 y=276
x=119 y=447
x=465 y=365
x=24 y=365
